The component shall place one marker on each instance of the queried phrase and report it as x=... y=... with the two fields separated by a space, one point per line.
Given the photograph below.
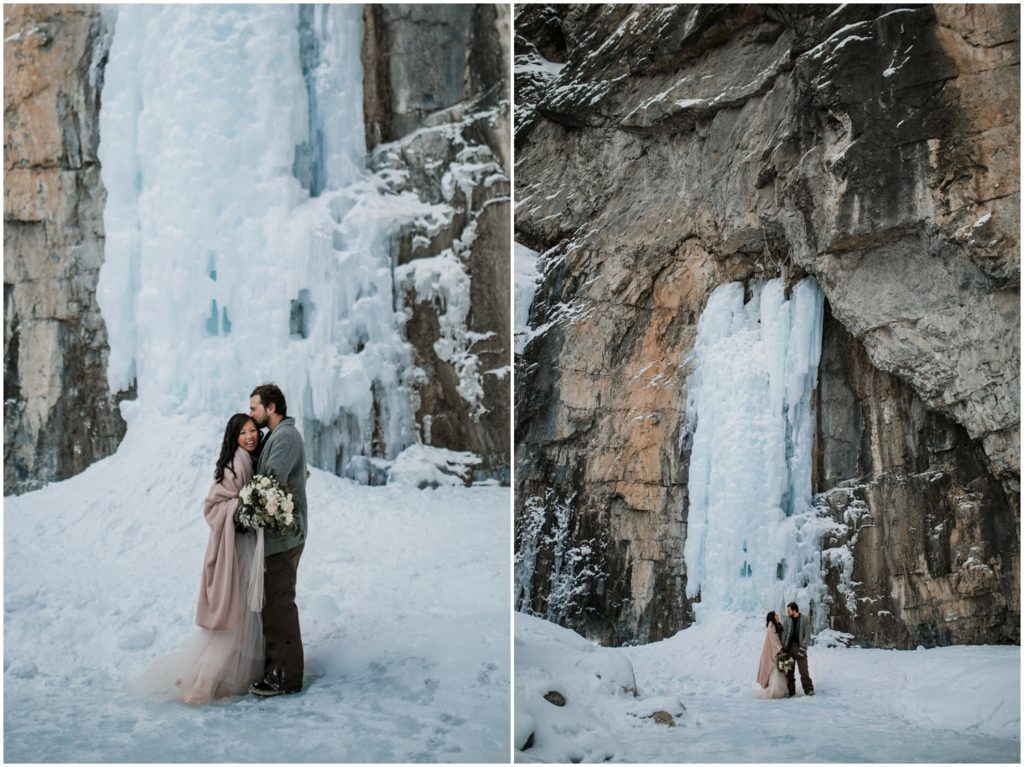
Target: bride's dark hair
x=768 y=622
x=230 y=444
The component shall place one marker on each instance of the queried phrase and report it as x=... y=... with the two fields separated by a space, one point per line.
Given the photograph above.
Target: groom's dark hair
x=792 y=605
x=269 y=395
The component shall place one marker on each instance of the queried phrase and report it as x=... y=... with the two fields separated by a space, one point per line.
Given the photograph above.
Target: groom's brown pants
x=281 y=621
x=805 y=675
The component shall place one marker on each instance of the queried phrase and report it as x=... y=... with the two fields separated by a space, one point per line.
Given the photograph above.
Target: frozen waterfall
x=752 y=541
x=245 y=242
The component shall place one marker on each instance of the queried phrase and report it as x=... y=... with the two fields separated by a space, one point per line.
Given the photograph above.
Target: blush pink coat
x=220 y=595
x=769 y=652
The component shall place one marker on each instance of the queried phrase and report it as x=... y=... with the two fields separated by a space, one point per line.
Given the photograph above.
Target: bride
x=772 y=681
x=227 y=654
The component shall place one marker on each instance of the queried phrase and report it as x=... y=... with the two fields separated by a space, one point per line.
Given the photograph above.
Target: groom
x=282 y=455
x=796 y=635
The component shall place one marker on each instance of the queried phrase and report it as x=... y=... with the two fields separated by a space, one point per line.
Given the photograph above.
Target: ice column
x=245 y=241
x=752 y=542
x=527 y=279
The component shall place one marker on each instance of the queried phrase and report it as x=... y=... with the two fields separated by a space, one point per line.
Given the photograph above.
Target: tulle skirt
x=777 y=687
x=214 y=664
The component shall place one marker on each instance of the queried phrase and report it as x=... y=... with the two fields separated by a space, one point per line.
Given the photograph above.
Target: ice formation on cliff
x=753 y=536
x=245 y=241
x=527 y=279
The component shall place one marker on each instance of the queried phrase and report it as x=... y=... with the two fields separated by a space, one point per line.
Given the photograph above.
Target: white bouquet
x=265 y=502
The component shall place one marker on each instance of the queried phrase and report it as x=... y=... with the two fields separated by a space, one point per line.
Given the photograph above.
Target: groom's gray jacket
x=804 y=629
x=284 y=456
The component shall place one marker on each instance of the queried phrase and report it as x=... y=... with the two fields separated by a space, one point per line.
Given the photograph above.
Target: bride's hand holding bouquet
x=264 y=502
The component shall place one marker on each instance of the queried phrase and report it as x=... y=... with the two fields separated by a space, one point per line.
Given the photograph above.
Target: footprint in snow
x=440 y=744
x=483 y=678
x=430 y=688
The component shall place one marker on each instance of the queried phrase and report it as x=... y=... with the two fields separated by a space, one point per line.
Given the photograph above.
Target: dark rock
x=539 y=28
x=555 y=698
x=423 y=59
x=664 y=718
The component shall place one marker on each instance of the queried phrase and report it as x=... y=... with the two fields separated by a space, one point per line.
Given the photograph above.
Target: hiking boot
x=267 y=689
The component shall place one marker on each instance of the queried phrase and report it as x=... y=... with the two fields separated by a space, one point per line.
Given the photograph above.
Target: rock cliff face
x=436 y=100
x=926 y=551
x=665 y=150
x=58 y=416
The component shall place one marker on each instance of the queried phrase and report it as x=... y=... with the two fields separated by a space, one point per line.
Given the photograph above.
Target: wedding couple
x=250 y=638
x=785 y=644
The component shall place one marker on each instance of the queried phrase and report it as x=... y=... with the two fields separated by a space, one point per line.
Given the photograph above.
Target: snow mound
x=425 y=466
x=549 y=659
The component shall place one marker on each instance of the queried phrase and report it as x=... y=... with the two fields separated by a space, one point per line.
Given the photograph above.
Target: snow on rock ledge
x=437 y=105
x=426 y=466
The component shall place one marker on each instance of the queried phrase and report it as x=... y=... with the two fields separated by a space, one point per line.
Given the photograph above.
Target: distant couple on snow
x=785 y=647
x=250 y=638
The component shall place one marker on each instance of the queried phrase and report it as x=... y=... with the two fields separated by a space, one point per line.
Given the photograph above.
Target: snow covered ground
x=402 y=594
x=949 y=704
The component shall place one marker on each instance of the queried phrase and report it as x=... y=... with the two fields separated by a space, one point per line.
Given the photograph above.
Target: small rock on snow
x=554 y=697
